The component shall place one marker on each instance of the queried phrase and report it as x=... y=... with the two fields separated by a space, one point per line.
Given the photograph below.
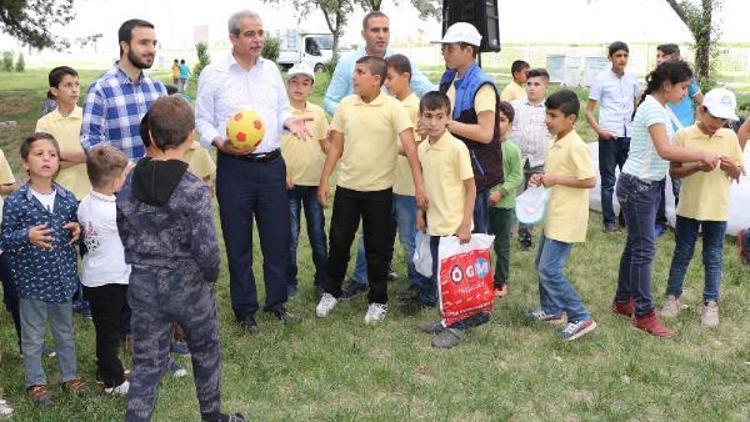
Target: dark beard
x=136 y=61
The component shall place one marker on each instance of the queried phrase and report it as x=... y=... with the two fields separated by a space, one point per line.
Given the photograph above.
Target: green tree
x=204 y=59
x=31 y=21
x=20 y=63
x=271 y=49
x=426 y=8
x=698 y=16
x=7 y=63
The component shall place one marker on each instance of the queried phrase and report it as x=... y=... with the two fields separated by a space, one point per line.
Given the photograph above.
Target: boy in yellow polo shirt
x=451 y=193
x=304 y=163
x=397 y=81
x=516 y=89
x=64 y=123
x=704 y=201
x=364 y=136
x=569 y=173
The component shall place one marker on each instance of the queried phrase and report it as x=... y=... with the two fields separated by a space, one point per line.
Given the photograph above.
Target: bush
x=20 y=63
x=7 y=63
x=271 y=49
x=203 y=60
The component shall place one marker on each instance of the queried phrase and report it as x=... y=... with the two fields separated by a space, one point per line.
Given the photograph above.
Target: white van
x=313 y=49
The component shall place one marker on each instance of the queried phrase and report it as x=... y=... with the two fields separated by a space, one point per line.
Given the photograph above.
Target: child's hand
x=536 y=179
x=421 y=223
x=323 y=193
x=549 y=180
x=39 y=236
x=464 y=233
x=711 y=159
x=289 y=182
x=75 y=232
x=495 y=197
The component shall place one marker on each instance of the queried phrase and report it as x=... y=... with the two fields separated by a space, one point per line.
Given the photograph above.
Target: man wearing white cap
x=704 y=201
x=304 y=164
x=474 y=100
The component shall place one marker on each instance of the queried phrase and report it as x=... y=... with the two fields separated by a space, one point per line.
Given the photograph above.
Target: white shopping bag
x=532 y=204
x=422 y=256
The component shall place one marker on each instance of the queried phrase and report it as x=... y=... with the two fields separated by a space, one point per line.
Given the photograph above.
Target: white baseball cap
x=301 y=69
x=721 y=103
x=461 y=32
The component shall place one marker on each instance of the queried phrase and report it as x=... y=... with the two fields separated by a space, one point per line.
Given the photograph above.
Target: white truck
x=312 y=48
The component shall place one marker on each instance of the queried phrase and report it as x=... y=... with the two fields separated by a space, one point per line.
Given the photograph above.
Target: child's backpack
x=743 y=245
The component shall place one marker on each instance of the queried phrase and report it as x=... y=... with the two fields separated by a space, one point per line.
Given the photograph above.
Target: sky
x=541 y=21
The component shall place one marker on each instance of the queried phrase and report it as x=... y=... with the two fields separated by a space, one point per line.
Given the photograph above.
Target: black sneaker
x=287 y=317
x=612 y=228
x=353 y=289
x=248 y=324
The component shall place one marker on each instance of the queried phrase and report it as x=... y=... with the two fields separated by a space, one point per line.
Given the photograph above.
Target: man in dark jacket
x=165 y=220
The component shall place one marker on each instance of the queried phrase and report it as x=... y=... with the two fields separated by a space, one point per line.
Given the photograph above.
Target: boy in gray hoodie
x=165 y=220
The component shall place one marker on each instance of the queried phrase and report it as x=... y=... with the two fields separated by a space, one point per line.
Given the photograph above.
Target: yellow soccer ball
x=245 y=130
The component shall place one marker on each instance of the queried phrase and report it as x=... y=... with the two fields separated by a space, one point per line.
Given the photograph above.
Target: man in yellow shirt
x=569 y=173
x=304 y=164
x=704 y=201
x=64 y=124
x=516 y=89
x=363 y=136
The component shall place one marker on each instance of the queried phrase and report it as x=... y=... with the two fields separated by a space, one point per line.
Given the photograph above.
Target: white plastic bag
x=532 y=204
x=422 y=255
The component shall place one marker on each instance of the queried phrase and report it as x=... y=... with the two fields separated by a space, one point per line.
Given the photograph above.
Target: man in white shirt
x=616 y=93
x=250 y=185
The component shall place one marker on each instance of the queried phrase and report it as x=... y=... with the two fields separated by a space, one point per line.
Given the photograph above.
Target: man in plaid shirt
x=118 y=100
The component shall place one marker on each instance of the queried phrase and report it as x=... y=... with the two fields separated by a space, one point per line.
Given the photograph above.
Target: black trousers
x=249 y=191
x=374 y=209
x=106 y=306
x=10 y=295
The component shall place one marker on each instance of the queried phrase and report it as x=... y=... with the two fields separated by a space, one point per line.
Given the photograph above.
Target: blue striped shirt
x=113 y=111
x=643 y=161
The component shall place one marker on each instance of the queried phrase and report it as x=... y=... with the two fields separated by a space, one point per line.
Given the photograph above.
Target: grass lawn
x=339 y=369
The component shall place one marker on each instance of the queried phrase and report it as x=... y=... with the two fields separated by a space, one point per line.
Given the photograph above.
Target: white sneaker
x=326 y=304
x=671 y=307
x=710 y=314
x=120 y=390
x=5 y=409
x=376 y=313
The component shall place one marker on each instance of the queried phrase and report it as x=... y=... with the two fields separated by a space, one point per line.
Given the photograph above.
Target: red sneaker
x=626 y=309
x=651 y=324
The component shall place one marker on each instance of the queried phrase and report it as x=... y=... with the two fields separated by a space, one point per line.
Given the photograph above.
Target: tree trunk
x=703 y=42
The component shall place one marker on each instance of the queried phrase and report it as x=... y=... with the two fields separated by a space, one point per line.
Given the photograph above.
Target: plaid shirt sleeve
x=93 y=128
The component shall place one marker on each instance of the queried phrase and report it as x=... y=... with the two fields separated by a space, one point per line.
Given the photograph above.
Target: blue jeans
x=299 y=197
x=686 y=234
x=639 y=200
x=406 y=222
x=482 y=212
x=612 y=154
x=556 y=293
x=34 y=316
